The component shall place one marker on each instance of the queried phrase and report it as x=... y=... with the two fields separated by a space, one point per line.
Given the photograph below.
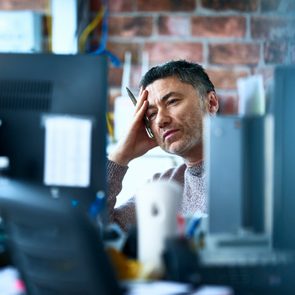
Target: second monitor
x=53 y=129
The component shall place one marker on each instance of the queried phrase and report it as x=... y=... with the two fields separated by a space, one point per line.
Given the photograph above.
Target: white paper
x=251 y=95
x=157 y=288
x=67 y=151
x=214 y=290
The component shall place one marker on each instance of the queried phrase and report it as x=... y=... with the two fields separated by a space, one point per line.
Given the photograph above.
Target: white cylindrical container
x=157 y=204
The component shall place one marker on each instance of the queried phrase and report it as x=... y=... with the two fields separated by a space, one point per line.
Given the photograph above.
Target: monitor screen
x=284 y=160
x=237 y=143
x=52 y=122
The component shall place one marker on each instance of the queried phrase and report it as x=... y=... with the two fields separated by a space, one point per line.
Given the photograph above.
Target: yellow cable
x=109 y=125
x=48 y=24
x=89 y=29
x=82 y=43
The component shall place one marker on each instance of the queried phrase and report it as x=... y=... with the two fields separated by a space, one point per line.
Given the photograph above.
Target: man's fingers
x=142 y=98
x=140 y=112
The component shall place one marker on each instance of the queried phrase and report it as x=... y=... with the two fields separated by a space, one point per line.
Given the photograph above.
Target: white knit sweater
x=192 y=179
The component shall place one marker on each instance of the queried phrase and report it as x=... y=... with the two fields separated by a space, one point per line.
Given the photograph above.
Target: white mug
x=157 y=205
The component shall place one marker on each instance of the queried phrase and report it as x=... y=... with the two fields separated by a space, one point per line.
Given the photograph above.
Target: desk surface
x=10 y=284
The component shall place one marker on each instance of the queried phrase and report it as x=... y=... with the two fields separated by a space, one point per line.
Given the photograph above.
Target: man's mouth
x=167 y=134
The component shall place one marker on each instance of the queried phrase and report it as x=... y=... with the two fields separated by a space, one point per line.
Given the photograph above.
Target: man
x=175 y=97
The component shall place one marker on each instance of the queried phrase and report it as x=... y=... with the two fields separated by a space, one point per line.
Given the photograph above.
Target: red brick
x=219 y=26
x=228 y=104
x=225 y=78
x=275 y=52
x=234 y=53
x=95 y=5
x=36 y=5
x=119 y=49
x=166 y=5
x=164 y=51
x=136 y=74
x=113 y=5
x=270 y=27
x=244 y=5
x=128 y=26
x=121 y=5
x=115 y=76
x=174 y=25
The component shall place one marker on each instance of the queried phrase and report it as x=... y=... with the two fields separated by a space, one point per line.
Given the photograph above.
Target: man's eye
x=172 y=101
x=152 y=116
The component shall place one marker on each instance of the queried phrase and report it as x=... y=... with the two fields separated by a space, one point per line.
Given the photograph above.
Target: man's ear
x=212 y=104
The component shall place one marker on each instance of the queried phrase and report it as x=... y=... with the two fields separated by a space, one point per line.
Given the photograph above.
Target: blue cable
x=104 y=33
x=98 y=205
x=192 y=226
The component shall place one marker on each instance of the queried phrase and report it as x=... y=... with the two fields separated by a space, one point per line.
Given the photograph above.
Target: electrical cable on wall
x=104 y=34
x=101 y=17
x=86 y=32
x=48 y=25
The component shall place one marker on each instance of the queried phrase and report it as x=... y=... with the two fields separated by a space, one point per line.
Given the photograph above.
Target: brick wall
x=36 y=5
x=231 y=39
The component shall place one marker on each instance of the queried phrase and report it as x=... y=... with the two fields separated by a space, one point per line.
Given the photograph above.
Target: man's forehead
x=162 y=87
x=171 y=80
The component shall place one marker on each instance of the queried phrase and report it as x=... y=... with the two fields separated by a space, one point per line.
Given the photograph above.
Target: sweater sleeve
x=125 y=214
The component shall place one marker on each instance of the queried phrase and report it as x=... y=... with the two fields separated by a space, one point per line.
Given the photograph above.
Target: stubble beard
x=184 y=145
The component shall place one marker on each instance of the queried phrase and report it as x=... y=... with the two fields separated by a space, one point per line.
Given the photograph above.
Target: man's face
x=175 y=113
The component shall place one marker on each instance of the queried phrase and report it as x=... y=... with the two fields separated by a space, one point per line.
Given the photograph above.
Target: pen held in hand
x=145 y=119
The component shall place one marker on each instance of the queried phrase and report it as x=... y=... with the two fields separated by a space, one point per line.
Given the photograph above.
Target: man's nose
x=163 y=118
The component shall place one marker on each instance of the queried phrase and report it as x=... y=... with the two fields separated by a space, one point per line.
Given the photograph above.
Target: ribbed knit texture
x=192 y=179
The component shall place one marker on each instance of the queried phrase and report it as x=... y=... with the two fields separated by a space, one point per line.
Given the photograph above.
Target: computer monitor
x=235 y=166
x=53 y=129
x=55 y=250
x=284 y=160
